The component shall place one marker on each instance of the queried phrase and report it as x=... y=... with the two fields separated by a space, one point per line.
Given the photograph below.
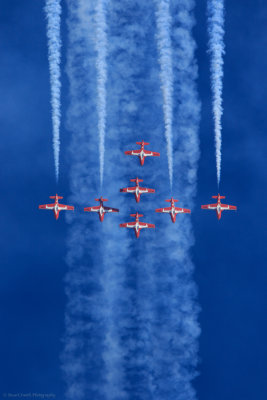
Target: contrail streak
x=101 y=65
x=166 y=74
x=216 y=48
x=53 y=14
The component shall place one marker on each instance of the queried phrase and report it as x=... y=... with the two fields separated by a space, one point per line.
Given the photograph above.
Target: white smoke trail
x=53 y=14
x=101 y=65
x=166 y=74
x=91 y=358
x=175 y=360
x=216 y=48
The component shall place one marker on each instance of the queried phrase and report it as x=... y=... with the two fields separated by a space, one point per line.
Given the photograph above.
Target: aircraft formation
x=137 y=190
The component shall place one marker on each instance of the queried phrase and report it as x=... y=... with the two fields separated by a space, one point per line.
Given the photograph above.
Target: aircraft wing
x=145 y=225
x=182 y=210
x=94 y=209
x=128 y=225
x=47 y=206
x=133 y=152
x=151 y=153
x=209 y=207
x=110 y=209
x=164 y=210
x=64 y=207
x=146 y=190
x=128 y=190
x=228 y=207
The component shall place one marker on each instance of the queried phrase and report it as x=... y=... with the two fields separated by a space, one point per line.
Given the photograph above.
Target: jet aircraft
x=101 y=209
x=142 y=153
x=137 y=190
x=137 y=225
x=56 y=207
x=219 y=207
x=172 y=210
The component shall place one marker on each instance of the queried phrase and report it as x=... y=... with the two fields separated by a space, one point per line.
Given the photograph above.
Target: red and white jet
x=137 y=225
x=56 y=207
x=172 y=210
x=137 y=190
x=101 y=209
x=142 y=153
x=219 y=207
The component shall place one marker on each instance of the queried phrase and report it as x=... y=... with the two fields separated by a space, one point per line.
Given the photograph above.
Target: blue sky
x=229 y=256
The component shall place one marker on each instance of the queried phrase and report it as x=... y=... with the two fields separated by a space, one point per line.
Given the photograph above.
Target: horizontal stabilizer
x=53 y=197
x=169 y=200
x=134 y=180
x=216 y=197
x=135 y=215
x=101 y=199
x=140 y=143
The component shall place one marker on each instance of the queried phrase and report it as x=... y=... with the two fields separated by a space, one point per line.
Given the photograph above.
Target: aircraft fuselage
x=56 y=209
x=219 y=210
x=101 y=213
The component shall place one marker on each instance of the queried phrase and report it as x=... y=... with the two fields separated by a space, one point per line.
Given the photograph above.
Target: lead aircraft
x=172 y=210
x=137 y=190
x=101 y=209
x=219 y=207
x=56 y=207
x=142 y=153
x=137 y=225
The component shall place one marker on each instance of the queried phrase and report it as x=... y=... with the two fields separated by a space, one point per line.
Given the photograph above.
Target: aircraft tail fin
x=216 y=197
x=101 y=199
x=140 y=143
x=134 y=180
x=54 y=197
x=170 y=200
x=135 y=215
